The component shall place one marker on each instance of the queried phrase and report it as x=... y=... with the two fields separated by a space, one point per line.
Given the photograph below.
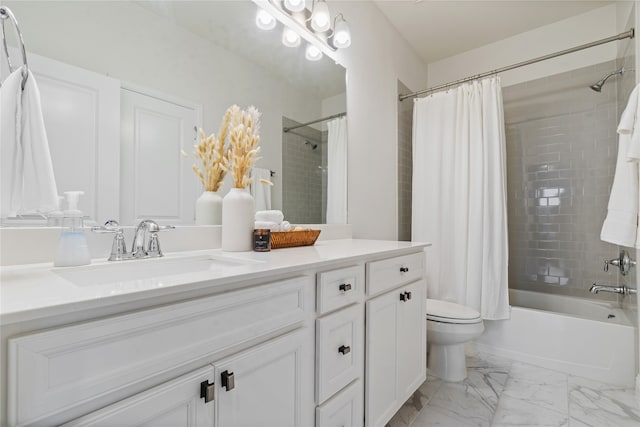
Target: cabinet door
x=412 y=339
x=270 y=385
x=176 y=403
x=381 y=358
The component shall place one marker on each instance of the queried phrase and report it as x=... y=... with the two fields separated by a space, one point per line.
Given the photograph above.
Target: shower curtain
x=337 y=176
x=459 y=195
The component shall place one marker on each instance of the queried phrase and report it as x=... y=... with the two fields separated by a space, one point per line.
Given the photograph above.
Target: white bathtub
x=578 y=336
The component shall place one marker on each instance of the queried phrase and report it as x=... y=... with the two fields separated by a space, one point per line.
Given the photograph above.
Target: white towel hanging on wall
x=28 y=183
x=621 y=223
x=261 y=192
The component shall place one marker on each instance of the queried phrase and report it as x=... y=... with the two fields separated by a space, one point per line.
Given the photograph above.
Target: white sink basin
x=127 y=271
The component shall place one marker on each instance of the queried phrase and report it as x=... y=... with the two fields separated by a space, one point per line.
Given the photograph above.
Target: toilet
x=449 y=327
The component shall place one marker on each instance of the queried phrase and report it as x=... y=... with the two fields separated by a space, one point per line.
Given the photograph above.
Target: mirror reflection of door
x=156 y=181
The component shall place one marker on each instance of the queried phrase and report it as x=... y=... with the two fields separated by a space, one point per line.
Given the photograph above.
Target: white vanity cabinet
x=338 y=342
x=340 y=347
x=59 y=374
x=176 y=403
x=262 y=386
x=395 y=335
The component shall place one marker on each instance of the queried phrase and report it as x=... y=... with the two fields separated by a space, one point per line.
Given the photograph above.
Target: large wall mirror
x=124 y=85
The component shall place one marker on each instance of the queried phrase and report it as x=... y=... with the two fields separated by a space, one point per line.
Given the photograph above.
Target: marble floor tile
x=472 y=401
x=596 y=404
x=545 y=388
x=436 y=417
x=410 y=410
x=521 y=412
x=502 y=393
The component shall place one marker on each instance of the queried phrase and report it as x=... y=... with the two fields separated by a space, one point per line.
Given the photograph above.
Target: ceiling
x=439 y=29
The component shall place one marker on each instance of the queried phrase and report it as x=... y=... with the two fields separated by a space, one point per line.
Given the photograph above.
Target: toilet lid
x=449 y=312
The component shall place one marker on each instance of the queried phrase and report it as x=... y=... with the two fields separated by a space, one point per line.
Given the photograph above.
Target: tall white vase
x=237 y=220
x=209 y=209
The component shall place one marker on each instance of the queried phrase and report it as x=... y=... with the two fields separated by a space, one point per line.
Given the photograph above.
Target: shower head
x=598 y=85
x=311 y=144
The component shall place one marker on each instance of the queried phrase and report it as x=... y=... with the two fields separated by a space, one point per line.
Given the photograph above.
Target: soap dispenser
x=72 y=247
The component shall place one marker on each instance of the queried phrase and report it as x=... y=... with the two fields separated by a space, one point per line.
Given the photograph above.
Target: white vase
x=209 y=209
x=237 y=220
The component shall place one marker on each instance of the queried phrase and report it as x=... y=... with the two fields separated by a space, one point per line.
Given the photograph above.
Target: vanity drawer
x=393 y=272
x=344 y=409
x=65 y=372
x=339 y=288
x=339 y=350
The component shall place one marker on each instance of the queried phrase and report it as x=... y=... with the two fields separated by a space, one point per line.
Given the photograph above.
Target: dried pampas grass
x=243 y=143
x=235 y=149
x=214 y=157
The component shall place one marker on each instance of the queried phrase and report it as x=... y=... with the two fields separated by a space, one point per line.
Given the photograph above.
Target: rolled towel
x=270 y=216
x=285 y=226
x=270 y=225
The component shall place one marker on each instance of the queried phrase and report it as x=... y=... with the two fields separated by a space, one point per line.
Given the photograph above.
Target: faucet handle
x=153 y=246
x=110 y=226
x=118 y=247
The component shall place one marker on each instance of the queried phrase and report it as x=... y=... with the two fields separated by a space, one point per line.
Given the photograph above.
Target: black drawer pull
x=403 y=296
x=344 y=349
x=228 y=380
x=345 y=287
x=404 y=269
x=408 y=294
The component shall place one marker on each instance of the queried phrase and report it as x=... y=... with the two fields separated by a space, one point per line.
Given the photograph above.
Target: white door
x=81 y=111
x=412 y=339
x=381 y=358
x=177 y=403
x=270 y=385
x=156 y=180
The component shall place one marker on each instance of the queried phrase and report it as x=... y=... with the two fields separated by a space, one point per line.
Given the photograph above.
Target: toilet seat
x=449 y=312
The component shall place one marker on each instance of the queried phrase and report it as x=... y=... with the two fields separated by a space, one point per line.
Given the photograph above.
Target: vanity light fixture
x=264 y=20
x=294 y=5
x=320 y=17
x=341 y=34
x=312 y=53
x=314 y=26
x=290 y=38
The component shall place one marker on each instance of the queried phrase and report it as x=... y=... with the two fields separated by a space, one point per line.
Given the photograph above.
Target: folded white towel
x=285 y=226
x=621 y=224
x=271 y=216
x=28 y=183
x=270 y=225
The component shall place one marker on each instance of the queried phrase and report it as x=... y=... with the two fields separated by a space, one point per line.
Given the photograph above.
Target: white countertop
x=36 y=291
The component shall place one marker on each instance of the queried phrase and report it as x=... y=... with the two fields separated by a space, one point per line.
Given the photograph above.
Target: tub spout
x=624 y=290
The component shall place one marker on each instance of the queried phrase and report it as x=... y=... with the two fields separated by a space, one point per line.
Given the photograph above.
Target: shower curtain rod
x=335 y=116
x=626 y=35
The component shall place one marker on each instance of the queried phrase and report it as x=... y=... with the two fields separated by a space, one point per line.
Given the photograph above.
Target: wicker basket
x=290 y=239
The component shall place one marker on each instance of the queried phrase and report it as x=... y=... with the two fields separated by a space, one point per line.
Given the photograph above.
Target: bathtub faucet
x=624 y=290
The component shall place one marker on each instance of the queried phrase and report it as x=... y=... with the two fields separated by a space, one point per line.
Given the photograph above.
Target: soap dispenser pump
x=72 y=246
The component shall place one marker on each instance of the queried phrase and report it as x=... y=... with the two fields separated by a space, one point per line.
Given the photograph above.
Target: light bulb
x=294 y=5
x=290 y=38
x=341 y=34
x=312 y=53
x=264 y=21
x=320 y=18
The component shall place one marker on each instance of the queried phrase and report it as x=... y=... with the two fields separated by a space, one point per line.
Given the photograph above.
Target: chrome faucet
x=624 y=290
x=148 y=228
x=146 y=232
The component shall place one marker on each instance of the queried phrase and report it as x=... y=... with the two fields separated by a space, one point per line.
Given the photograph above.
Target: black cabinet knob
x=345 y=287
x=344 y=349
x=403 y=296
x=404 y=269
